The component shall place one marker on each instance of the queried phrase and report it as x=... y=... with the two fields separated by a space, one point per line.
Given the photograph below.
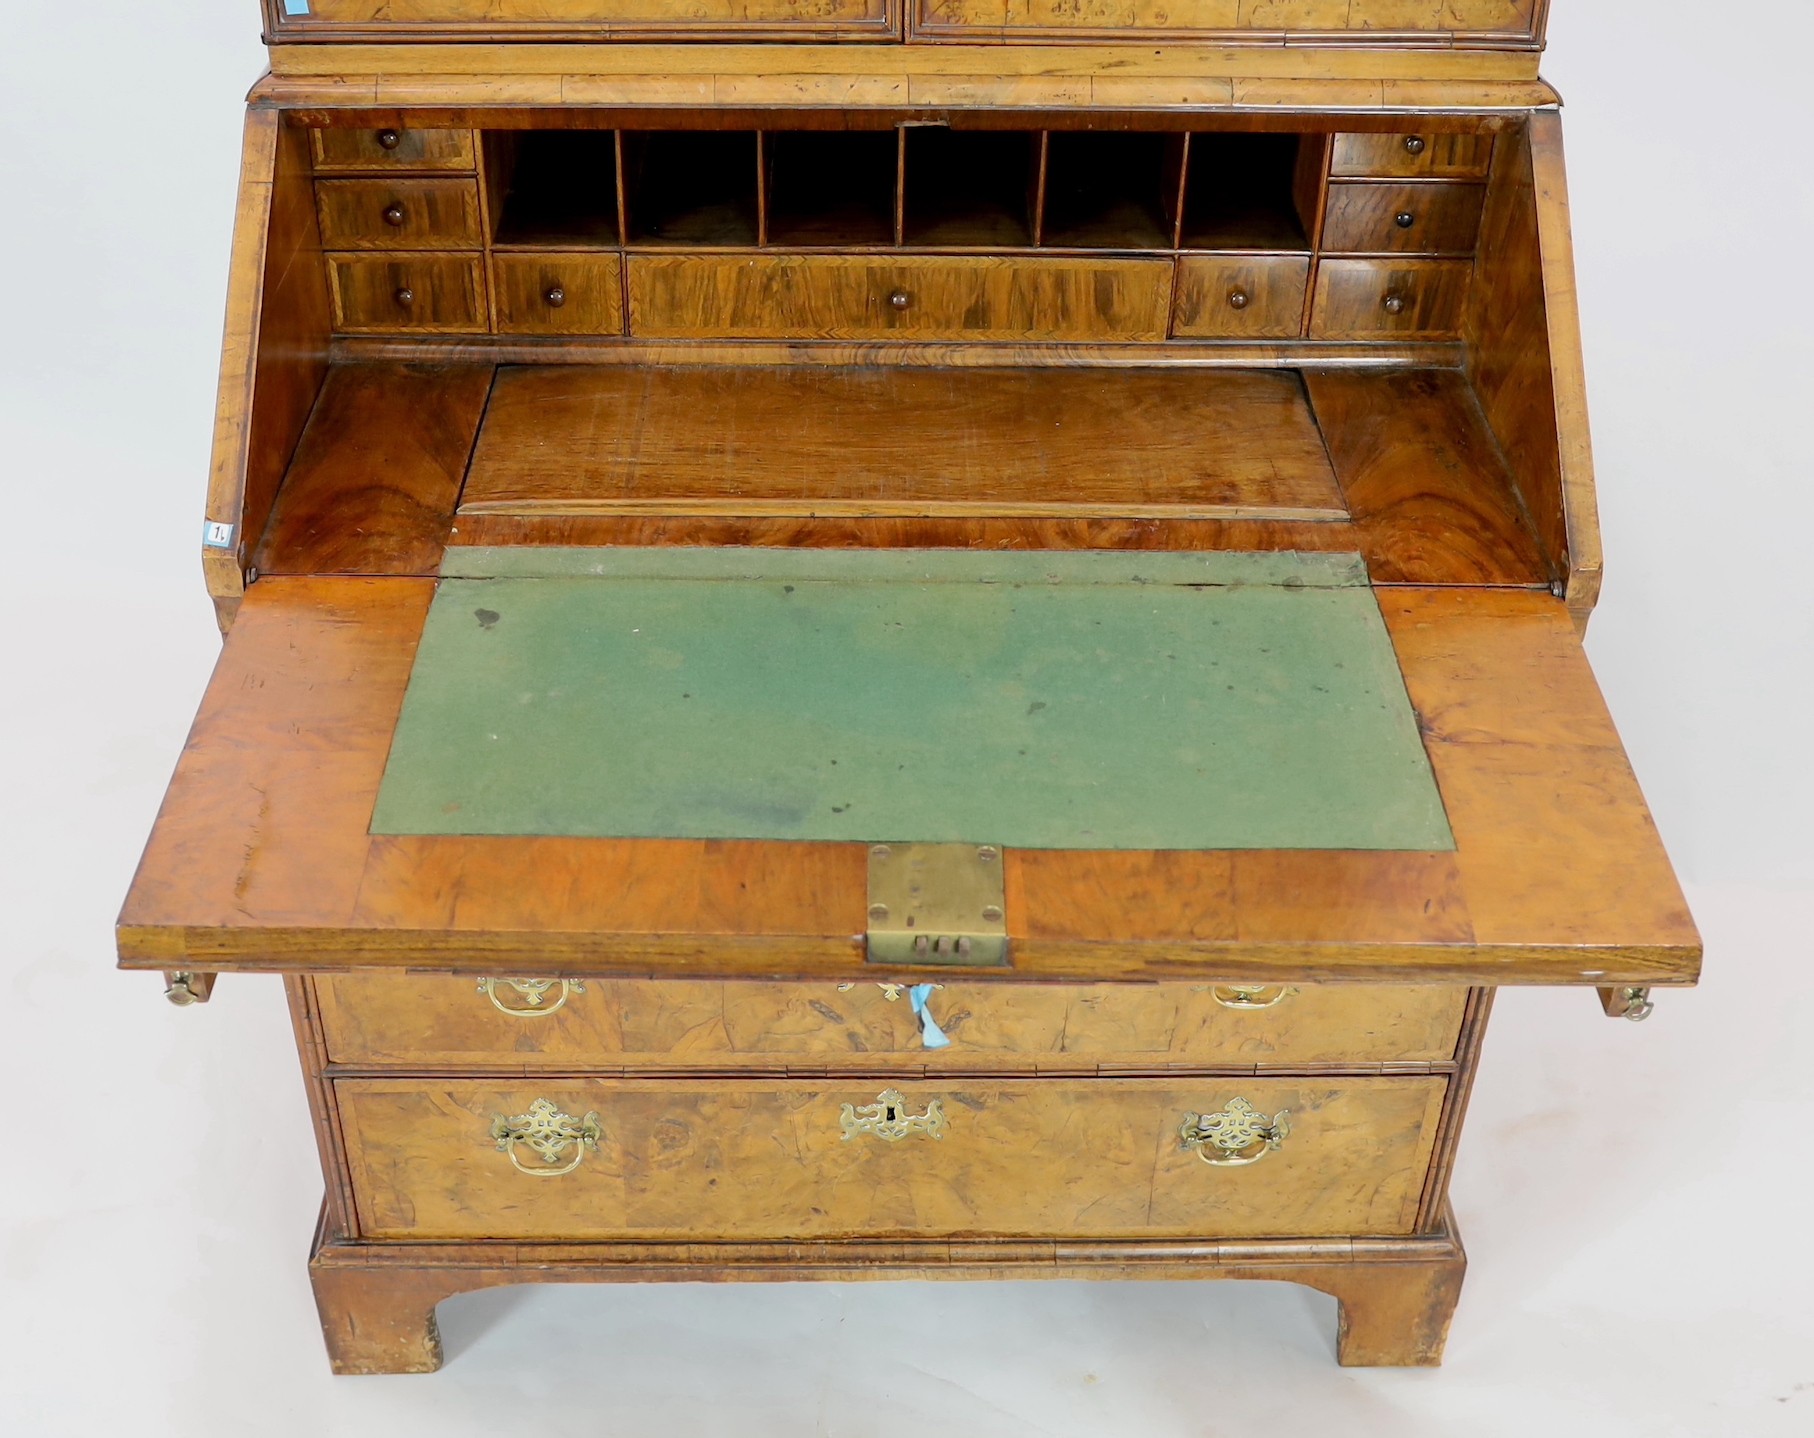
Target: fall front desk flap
x=1041 y=701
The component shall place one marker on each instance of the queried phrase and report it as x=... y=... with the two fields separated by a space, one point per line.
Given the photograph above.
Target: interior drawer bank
x=431 y=1021
x=577 y=1159
x=978 y=297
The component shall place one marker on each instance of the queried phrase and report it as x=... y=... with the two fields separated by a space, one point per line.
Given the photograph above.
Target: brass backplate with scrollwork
x=887 y=1118
x=1240 y=1134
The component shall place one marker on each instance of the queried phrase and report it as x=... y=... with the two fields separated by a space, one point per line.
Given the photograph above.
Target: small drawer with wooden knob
x=886 y=1023
x=957 y=297
x=1417 y=155
x=376 y=148
x=1414 y=219
x=791 y=1158
x=558 y=294
x=1389 y=299
x=1240 y=296
x=399 y=214
x=394 y=294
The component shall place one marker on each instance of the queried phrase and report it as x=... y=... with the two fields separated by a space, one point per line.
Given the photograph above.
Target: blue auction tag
x=295 y=7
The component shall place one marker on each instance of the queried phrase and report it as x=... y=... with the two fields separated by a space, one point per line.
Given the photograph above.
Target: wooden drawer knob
x=1239 y=299
x=1395 y=304
x=1415 y=144
x=556 y=297
x=1404 y=219
x=405 y=296
x=900 y=299
x=393 y=214
x=389 y=139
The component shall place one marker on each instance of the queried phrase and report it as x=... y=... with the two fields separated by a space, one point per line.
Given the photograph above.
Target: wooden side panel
x=769 y=1159
x=757 y=440
x=1524 y=349
x=274 y=353
x=374 y=481
x=1426 y=484
x=850 y=297
x=434 y=1022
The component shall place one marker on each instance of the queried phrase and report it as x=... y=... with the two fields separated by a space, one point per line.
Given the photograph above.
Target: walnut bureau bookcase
x=900 y=638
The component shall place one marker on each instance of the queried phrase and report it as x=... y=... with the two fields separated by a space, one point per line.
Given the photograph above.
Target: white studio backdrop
x=1633 y=1196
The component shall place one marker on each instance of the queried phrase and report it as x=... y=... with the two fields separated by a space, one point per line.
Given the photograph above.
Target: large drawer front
x=434 y=1022
x=782 y=1159
x=862 y=297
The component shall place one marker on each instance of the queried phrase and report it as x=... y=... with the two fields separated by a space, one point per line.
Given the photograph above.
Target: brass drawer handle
x=534 y=994
x=1414 y=144
x=1237 y=1136
x=1395 y=304
x=393 y=214
x=548 y=1133
x=1251 y=996
x=389 y=139
x=556 y=296
x=1239 y=299
x=887 y=1119
x=405 y=296
x=1404 y=219
x=900 y=299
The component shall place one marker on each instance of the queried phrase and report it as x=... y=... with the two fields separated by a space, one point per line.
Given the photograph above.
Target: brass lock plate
x=937 y=904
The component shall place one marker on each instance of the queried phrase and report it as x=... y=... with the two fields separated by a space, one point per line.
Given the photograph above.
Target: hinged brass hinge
x=937 y=904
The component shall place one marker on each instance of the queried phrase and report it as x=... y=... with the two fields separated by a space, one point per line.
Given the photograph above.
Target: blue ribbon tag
x=931 y=1035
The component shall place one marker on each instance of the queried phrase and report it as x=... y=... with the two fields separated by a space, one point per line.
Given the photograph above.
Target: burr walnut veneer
x=1225 y=310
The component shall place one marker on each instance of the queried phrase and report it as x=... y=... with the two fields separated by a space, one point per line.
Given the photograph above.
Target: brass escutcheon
x=1237 y=1136
x=548 y=1133
x=887 y=1119
x=534 y=994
